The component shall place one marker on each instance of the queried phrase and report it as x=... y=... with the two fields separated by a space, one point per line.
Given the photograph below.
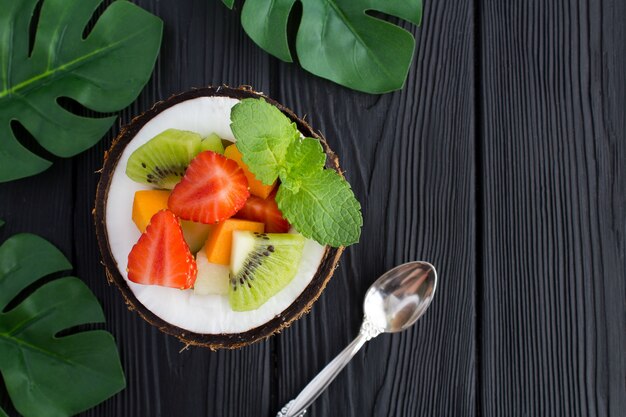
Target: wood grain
x=203 y=44
x=40 y=205
x=554 y=305
x=410 y=159
x=501 y=161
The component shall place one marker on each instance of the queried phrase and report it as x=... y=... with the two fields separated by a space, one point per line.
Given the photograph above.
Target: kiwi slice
x=262 y=264
x=162 y=161
x=212 y=143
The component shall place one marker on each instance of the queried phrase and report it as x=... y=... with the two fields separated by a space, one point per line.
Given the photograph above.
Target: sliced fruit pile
x=262 y=265
x=206 y=202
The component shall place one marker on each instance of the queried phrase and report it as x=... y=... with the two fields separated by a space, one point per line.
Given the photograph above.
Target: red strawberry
x=161 y=255
x=265 y=211
x=212 y=190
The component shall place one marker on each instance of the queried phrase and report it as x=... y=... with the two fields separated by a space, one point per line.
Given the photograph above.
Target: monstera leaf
x=47 y=374
x=338 y=40
x=104 y=71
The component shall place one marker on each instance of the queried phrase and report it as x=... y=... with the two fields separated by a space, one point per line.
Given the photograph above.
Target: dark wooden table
x=502 y=162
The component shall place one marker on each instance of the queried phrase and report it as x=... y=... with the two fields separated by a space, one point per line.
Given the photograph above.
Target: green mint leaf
x=263 y=136
x=304 y=157
x=324 y=209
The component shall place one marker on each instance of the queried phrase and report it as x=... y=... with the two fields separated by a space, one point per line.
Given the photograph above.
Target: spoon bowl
x=397 y=299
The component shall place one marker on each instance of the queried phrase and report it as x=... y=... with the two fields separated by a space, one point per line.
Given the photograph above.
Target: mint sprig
x=304 y=157
x=318 y=202
x=323 y=209
x=263 y=135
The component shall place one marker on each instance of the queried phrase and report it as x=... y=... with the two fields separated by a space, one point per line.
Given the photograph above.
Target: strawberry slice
x=161 y=255
x=212 y=190
x=264 y=210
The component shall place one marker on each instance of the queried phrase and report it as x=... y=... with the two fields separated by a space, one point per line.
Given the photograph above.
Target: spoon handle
x=297 y=407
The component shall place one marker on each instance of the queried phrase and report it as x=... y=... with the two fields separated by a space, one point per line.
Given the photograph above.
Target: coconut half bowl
x=193 y=319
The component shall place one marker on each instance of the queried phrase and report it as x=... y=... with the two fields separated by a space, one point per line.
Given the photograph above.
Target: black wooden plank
x=40 y=205
x=554 y=152
x=203 y=44
x=410 y=159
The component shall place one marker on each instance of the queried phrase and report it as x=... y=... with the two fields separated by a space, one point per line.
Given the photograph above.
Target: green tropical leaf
x=338 y=40
x=104 y=72
x=47 y=374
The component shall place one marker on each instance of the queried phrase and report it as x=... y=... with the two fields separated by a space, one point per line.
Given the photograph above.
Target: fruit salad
x=219 y=229
x=221 y=217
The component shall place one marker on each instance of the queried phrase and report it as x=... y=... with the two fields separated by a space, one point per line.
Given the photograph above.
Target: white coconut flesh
x=207 y=314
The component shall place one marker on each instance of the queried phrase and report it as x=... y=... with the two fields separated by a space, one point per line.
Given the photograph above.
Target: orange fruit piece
x=220 y=241
x=257 y=188
x=146 y=204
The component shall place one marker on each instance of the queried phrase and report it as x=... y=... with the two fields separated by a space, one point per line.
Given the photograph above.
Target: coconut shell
x=297 y=309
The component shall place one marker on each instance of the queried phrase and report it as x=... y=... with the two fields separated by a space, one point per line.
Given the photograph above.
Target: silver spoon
x=393 y=303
